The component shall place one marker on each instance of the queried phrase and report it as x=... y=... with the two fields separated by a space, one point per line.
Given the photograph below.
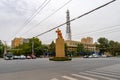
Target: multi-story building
x=18 y=41
x=87 y=42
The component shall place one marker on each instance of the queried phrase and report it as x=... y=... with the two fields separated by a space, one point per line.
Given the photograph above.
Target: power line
x=110 y=31
x=47 y=17
x=44 y=4
x=76 y=18
x=40 y=9
x=34 y=14
x=98 y=30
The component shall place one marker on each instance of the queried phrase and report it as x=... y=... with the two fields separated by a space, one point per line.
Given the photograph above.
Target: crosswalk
x=89 y=75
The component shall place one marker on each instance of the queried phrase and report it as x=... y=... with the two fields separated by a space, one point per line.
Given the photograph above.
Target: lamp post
x=33 y=46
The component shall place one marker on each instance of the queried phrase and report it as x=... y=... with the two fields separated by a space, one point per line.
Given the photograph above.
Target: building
x=87 y=42
x=18 y=41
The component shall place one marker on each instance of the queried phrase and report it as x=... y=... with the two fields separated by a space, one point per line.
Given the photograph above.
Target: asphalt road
x=77 y=69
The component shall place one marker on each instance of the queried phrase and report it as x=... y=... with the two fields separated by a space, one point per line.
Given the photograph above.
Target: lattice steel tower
x=68 y=29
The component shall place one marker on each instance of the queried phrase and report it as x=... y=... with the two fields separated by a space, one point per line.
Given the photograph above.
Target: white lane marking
x=69 y=78
x=54 y=79
x=108 y=72
x=85 y=77
x=103 y=74
x=98 y=76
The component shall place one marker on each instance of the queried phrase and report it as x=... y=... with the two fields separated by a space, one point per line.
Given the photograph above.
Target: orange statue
x=59 y=33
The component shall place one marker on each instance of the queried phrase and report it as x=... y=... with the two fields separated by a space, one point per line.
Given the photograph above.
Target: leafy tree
x=66 y=48
x=80 y=48
x=38 y=49
x=26 y=48
x=103 y=44
x=114 y=48
x=1 y=49
x=52 y=48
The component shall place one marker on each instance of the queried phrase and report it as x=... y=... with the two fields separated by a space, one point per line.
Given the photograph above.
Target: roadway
x=77 y=69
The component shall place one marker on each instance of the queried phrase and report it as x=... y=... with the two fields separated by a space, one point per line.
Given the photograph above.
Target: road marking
x=103 y=74
x=69 y=78
x=54 y=79
x=85 y=77
x=98 y=76
x=108 y=72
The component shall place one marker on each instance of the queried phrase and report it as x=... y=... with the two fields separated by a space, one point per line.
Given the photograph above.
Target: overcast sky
x=104 y=22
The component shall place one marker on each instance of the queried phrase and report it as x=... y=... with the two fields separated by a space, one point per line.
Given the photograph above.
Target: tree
x=114 y=48
x=38 y=50
x=80 y=48
x=103 y=45
x=1 y=49
x=52 y=48
x=26 y=48
x=66 y=48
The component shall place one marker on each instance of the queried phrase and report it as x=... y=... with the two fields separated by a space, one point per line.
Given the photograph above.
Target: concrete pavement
x=77 y=69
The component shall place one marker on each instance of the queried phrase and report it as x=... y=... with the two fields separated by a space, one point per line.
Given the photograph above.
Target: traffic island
x=60 y=59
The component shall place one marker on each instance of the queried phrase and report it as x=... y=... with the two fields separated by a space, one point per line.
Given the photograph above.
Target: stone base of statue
x=60 y=49
x=60 y=52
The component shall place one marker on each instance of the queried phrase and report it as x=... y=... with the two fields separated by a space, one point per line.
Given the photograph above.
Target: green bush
x=60 y=59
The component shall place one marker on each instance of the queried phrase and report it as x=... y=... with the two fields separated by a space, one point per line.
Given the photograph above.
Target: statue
x=59 y=33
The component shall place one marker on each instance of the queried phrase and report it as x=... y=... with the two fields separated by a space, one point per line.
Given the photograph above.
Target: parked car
x=8 y=56
x=28 y=57
x=33 y=56
x=95 y=55
x=86 y=56
x=16 y=57
x=104 y=56
x=22 y=57
x=91 y=56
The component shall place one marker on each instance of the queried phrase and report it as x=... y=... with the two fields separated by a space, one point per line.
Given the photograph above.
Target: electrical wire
x=98 y=30
x=44 y=4
x=76 y=18
x=47 y=17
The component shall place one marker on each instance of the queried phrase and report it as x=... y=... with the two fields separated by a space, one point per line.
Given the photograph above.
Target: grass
x=60 y=59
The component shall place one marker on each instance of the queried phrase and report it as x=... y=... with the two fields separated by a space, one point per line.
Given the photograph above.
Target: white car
x=16 y=57
x=104 y=56
x=95 y=55
x=22 y=57
x=91 y=56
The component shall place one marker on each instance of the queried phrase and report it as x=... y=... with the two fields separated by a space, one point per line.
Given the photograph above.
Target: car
x=91 y=56
x=103 y=56
x=16 y=57
x=28 y=57
x=33 y=56
x=86 y=56
x=8 y=56
x=22 y=57
x=95 y=55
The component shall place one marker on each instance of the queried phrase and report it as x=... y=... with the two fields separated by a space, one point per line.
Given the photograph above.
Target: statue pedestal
x=60 y=52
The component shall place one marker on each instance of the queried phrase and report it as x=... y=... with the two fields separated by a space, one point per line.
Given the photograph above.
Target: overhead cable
x=47 y=17
x=44 y=4
x=76 y=18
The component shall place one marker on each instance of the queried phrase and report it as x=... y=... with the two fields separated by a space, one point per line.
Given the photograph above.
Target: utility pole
x=33 y=46
x=5 y=48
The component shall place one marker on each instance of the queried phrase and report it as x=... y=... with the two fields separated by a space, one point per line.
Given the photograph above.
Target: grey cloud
x=17 y=7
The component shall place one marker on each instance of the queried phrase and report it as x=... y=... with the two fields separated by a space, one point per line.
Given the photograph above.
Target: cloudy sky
x=28 y=18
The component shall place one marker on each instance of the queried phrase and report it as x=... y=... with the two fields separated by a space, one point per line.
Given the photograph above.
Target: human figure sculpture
x=59 y=33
